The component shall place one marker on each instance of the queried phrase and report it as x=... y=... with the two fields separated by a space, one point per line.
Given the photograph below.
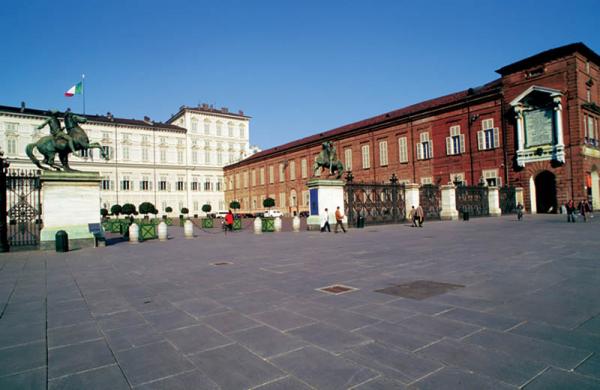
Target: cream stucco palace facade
x=177 y=164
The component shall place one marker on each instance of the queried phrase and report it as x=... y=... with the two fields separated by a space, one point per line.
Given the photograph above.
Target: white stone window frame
x=488 y=137
x=365 y=156
x=426 y=180
x=455 y=143
x=403 y=150
x=424 y=147
x=348 y=158
x=458 y=177
x=383 y=153
x=491 y=174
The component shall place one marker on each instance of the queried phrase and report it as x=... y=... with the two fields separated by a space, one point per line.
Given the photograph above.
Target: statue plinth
x=325 y=194
x=71 y=202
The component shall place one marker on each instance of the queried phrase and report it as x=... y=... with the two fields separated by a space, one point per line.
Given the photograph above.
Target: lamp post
x=3 y=227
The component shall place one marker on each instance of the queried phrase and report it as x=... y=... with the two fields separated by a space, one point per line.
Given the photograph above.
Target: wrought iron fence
x=508 y=200
x=24 y=209
x=430 y=200
x=377 y=203
x=472 y=199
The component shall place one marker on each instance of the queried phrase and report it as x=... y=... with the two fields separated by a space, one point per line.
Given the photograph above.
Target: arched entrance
x=545 y=192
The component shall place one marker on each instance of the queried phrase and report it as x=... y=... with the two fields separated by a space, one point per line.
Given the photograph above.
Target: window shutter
x=481 y=140
x=112 y=184
x=496 y=138
x=150 y=185
x=419 y=151
x=141 y=185
x=430 y=143
x=499 y=181
x=462 y=143
x=449 y=146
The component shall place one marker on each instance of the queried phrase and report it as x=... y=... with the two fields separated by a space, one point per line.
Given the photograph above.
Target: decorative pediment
x=532 y=90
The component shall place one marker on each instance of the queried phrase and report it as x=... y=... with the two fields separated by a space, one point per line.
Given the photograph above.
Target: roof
x=100 y=119
x=206 y=109
x=488 y=89
x=549 y=55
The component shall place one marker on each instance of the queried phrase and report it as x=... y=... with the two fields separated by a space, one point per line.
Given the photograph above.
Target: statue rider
x=332 y=152
x=55 y=130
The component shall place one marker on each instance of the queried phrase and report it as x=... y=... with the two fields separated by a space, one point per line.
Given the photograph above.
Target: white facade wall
x=145 y=153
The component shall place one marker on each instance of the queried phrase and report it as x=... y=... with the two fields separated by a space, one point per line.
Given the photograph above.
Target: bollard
x=62 y=241
x=296 y=224
x=134 y=233
x=277 y=224
x=188 y=229
x=257 y=225
x=162 y=231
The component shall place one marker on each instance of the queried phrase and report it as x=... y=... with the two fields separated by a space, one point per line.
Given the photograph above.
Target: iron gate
x=508 y=200
x=472 y=199
x=430 y=199
x=23 y=208
x=377 y=203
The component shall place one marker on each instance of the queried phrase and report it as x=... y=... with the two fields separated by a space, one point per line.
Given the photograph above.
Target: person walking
x=519 y=211
x=325 y=221
x=413 y=216
x=420 y=215
x=339 y=219
x=228 y=221
x=570 y=211
x=583 y=208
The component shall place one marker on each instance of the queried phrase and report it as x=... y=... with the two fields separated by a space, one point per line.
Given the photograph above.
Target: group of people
x=417 y=216
x=583 y=207
x=339 y=218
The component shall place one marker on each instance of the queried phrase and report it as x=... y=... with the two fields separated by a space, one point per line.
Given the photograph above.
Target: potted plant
x=168 y=220
x=147 y=227
x=184 y=215
x=207 y=223
x=128 y=209
x=268 y=223
x=115 y=225
x=104 y=219
x=237 y=222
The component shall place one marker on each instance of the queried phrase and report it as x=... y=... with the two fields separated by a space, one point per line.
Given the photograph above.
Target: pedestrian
x=582 y=206
x=325 y=221
x=420 y=215
x=413 y=216
x=228 y=221
x=519 y=211
x=590 y=208
x=339 y=219
x=570 y=206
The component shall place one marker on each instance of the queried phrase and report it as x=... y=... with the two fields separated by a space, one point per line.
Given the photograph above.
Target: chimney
x=147 y=119
x=224 y=109
x=22 y=106
x=240 y=112
x=109 y=115
x=205 y=106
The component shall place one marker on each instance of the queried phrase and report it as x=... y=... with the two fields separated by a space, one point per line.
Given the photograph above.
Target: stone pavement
x=243 y=312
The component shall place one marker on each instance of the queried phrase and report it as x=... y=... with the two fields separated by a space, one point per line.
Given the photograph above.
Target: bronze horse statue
x=327 y=159
x=62 y=144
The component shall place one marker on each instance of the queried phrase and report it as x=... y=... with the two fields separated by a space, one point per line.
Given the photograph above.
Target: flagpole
x=83 y=92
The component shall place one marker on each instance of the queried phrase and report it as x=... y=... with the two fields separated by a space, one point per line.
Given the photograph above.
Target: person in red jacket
x=229 y=221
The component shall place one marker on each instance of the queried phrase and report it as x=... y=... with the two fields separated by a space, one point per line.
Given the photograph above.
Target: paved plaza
x=490 y=303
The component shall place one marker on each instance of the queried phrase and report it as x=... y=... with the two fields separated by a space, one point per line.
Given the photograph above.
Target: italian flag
x=77 y=89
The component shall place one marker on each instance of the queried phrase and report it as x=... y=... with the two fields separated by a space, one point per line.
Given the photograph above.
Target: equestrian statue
x=327 y=159
x=62 y=142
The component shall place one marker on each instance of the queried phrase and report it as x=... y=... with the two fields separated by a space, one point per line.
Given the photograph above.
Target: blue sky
x=296 y=67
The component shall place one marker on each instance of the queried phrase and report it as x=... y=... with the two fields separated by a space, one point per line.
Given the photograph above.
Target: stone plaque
x=538 y=127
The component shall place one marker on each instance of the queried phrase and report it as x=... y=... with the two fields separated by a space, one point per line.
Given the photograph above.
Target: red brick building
x=535 y=127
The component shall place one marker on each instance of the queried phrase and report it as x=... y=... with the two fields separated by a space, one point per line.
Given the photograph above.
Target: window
x=424 y=147
x=125 y=153
x=162 y=185
x=402 y=150
x=219 y=157
x=591 y=130
x=242 y=131
x=383 y=153
x=348 y=159
x=145 y=184
x=253 y=177
x=180 y=156
x=105 y=136
x=262 y=176
x=426 y=180
x=108 y=151
x=230 y=129
x=366 y=158
x=126 y=184
x=281 y=172
x=195 y=185
x=488 y=137
x=303 y=168
x=163 y=155
x=293 y=170
x=458 y=179
x=11 y=146
x=195 y=205
x=455 y=144
x=207 y=127
x=238 y=183
x=208 y=183
x=180 y=184
x=306 y=198
x=282 y=200
x=207 y=156
x=220 y=184
x=271 y=174
x=318 y=171
x=85 y=153
x=588 y=95
x=106 y=184
x=245 y=179
x=194 y=125
x=491 y=177
x=194 y=157
x=144 y=154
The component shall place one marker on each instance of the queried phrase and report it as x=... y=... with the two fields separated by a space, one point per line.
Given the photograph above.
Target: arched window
x=194 y=125
x=242 y=131
x=230 y=128
x=207 y=126
x=219 y=128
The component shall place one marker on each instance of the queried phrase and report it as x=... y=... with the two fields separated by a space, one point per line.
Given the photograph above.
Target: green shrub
x=234 y=205
x=128 y=209
x=268 y=203
x=116 y=209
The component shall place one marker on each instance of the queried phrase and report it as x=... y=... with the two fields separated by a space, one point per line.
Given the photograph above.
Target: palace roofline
x=104 y=119
x=208 y=109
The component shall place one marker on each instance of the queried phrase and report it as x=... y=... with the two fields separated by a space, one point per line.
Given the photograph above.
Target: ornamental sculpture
x=62 y=141
x=327 y=159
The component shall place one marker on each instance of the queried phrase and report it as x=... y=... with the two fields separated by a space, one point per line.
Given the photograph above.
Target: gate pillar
x=411 y=192
x=519 y=197
x=449 y=211
x=494 y=202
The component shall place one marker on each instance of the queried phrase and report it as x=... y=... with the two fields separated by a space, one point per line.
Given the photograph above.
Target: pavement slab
x=78 y=357
x=107 y=377
x=555 y=378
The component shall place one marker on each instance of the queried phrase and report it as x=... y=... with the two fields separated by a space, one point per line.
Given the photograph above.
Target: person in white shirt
x=325 y=221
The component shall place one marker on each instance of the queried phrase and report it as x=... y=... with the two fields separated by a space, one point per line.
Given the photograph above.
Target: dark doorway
x=545 y=192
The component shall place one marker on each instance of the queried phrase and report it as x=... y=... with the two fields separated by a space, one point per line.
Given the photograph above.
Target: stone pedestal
x=411 y=194
x=325 y=194
x=449 y=211
x=71 y=202
x=494 y=202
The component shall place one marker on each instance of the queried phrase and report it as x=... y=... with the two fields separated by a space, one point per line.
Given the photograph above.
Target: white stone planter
x=277 y=224
x=296 y=224
x=162 y=231
x=188 y=229
x=257 y=225
x=134 y=233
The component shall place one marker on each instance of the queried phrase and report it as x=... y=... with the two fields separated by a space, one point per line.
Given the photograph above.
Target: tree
x=168 y=209
x=103 y=212
x=206 y=208
x=185 y=210
x=268 y=203
x=116 y=209
x=234 y=205
x=147 y=208
x=128 y=209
